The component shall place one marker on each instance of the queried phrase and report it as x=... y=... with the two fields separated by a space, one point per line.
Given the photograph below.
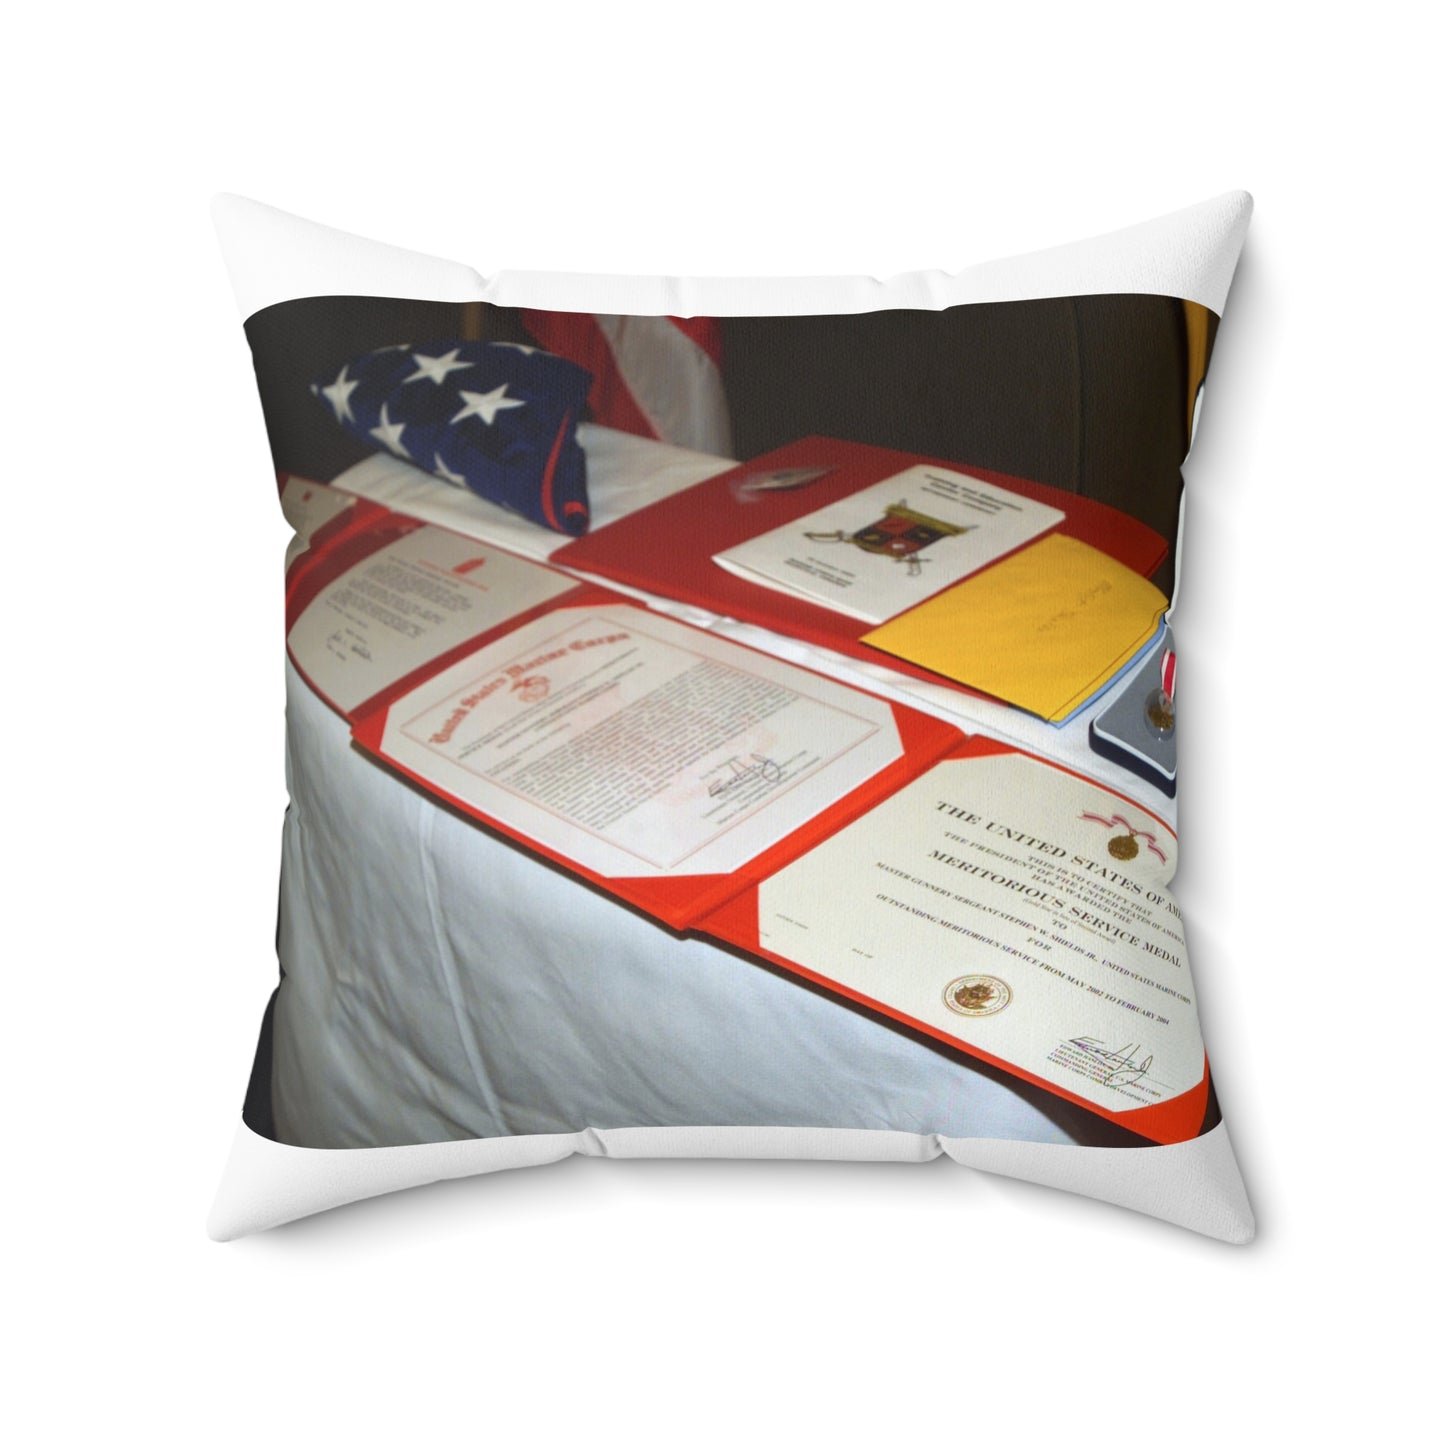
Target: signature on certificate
x=758 y=768
x=1124 y=1066
x=345 y=643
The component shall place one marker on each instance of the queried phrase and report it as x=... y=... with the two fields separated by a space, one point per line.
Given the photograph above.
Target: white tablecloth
x=444 y=984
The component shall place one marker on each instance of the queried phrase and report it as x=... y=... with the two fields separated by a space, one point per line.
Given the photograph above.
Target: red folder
x=667 y=548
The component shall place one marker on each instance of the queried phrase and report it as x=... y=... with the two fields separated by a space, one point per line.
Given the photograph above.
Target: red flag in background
x=655 y=376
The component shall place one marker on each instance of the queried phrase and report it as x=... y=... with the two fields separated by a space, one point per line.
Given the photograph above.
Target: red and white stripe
x=654 y=376
x=1167 y=669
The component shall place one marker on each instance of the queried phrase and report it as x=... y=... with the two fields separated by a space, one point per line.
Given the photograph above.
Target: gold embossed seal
x=977 y=995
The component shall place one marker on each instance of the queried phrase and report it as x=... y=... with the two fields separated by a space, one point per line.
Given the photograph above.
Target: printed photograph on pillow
x=734 y=722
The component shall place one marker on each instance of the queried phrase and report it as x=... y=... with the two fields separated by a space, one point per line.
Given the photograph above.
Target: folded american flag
x=493 y=416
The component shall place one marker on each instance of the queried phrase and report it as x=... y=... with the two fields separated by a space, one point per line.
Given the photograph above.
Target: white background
x=144 y=730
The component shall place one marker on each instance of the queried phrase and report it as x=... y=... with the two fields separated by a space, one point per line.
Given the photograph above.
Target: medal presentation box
x=1136 y=730
x=861 y=844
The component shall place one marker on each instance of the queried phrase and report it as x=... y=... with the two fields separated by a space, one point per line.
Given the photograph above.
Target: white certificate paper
x=638 y=747
x=1017 y=908
x=308 y=506
x=887 y=548
x=407 y=604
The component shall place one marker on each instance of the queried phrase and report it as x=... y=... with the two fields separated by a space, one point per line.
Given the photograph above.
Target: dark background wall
x=1088 y=394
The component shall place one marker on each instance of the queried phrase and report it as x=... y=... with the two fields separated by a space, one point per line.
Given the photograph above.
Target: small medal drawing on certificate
x=1125 y=846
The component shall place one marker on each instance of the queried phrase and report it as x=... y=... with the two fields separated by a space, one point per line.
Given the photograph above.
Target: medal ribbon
x=1168 y=666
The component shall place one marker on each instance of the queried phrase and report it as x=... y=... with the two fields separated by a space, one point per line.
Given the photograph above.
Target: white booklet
x=885 y=549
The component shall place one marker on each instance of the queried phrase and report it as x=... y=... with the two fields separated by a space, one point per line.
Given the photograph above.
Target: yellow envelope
x=1045 y=628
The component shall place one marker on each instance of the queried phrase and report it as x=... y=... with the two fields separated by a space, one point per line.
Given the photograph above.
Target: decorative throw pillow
x=818 y=802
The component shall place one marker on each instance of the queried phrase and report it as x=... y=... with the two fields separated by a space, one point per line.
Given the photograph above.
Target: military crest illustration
x=900 y=533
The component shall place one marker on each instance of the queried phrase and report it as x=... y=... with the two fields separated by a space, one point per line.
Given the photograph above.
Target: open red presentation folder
x=491 y=682
x=668 y=548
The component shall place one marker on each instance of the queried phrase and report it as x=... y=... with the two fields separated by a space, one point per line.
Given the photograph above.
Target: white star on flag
x=389 y=434
x=517 y=346
x=445 y=473
x=339 y=394
x=437 y=368
x=486 y=404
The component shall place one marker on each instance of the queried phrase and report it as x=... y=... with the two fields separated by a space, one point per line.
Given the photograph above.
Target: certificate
x=634 y=746
x=888 y=547
x=1018 y=910
x=406 y=605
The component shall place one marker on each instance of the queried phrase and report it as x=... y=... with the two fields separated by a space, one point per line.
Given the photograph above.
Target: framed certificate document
x=650 y=756
x=401 y=597
x=1014 y=910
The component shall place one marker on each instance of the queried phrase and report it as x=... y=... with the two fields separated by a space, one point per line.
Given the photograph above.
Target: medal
x=1159 y=705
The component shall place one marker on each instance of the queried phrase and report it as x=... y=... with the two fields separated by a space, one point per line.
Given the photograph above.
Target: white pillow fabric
x=388 y=1027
